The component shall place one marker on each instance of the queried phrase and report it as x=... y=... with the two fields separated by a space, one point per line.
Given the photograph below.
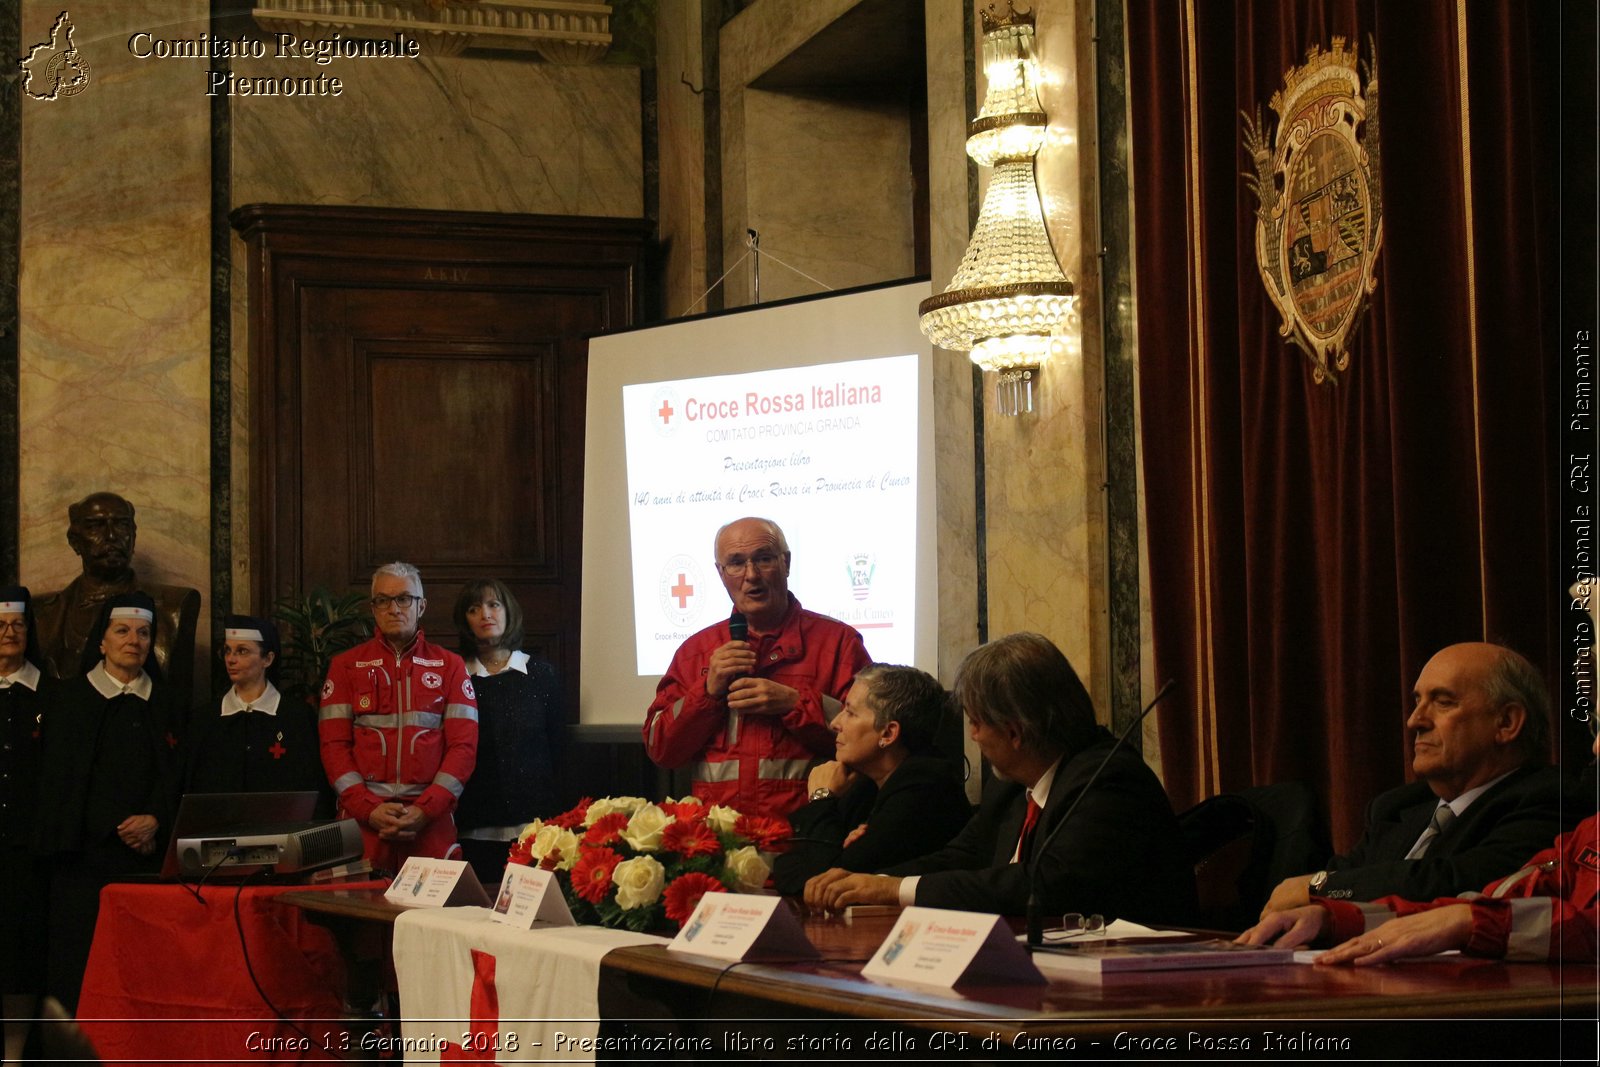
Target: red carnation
x=683 y=895
x=766 y=832
x=569 y=820
x=690 y=839
x=551 y=861
x=606 y=829
x=522 y=852
x=591 y=876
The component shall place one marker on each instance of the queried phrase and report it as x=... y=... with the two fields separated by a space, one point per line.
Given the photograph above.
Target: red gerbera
x=683 y=895
x=766 y=832
x=690 y=839
x=569 y=820
x=685 y=810
x=591 y=876
x=606 y=829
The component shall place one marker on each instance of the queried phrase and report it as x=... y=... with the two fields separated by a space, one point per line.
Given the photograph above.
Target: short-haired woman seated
x=886 y=798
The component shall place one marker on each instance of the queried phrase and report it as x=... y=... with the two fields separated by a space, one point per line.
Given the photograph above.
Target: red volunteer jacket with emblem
x=1547 y=910
x=756 y=764
x=398 y=728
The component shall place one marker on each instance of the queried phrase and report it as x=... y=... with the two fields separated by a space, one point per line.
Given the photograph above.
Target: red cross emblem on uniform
x=277 y=750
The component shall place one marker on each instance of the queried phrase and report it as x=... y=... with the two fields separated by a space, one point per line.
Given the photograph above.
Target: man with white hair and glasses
x=747 y=701
x=399 y=728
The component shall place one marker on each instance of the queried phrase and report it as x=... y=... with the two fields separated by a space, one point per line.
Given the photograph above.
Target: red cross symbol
x=665 y=411
x=277 y=750
x=484 y=1034
x=683 y=591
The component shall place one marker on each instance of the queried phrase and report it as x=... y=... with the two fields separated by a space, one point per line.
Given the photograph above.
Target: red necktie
x=1029 y=821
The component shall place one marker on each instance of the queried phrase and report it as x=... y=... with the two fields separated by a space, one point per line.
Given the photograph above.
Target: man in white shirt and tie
x=1485 y=797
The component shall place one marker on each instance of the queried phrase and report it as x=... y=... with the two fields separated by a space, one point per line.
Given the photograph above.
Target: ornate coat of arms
x=1319 y=223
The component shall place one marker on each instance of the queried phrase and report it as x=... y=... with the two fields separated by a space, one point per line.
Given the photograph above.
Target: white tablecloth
x=517 y=996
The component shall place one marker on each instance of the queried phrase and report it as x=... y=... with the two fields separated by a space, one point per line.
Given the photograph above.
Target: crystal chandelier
x=1009 y=294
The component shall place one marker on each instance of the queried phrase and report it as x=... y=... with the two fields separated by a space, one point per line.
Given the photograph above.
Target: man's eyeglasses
x=1077 y=925
x=404 y=601
x=763 y=562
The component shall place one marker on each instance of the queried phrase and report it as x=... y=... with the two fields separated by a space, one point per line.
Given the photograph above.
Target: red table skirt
x=167 y=979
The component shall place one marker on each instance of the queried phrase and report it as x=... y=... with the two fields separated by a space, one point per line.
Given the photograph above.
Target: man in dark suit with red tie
x=1120 y=853
x=1485 y=797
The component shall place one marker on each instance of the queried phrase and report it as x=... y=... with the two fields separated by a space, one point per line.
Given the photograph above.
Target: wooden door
x=417 y=393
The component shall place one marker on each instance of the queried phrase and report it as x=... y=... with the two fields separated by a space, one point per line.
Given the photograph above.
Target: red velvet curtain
x=1312 y=545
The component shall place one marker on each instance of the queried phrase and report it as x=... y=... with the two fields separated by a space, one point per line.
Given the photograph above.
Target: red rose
x=766 y=832
x=591 y=876
x=683 y=895
x=690 y=839
x=569 y=820
x=606 y=829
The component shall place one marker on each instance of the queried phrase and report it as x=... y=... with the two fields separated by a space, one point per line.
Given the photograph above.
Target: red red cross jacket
x=398 y=728
x=756 y=764
x=1547 y=910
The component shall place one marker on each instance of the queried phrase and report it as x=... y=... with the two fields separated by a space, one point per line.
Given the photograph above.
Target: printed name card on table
x=428 y=883
x=933 y=946
x=529 y=895
x=740 y=926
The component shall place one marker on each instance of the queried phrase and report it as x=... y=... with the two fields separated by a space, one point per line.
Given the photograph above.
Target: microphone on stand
x=1035 y=919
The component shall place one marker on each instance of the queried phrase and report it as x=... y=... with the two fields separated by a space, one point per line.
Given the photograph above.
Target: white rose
x=530 y=830
x=607 y=805
x=722 y=819
x=638 y=882
x=749 y=867
x=690 y=799
x=548 y=837
x=643 y=831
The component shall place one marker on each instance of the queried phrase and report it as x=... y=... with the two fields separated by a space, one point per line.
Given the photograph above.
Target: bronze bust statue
x=101 y=531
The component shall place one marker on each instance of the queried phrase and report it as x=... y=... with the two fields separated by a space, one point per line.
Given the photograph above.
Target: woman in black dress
x=884 y=798
x=520 y=725
x=252 y=740
x=25 y=691
x=109 y=783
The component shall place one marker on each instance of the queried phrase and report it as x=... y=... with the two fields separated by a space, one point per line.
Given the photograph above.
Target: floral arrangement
x=625 y=862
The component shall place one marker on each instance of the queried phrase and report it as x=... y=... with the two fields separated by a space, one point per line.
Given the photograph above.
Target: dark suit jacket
x=1499 y=831
x=1120 y=855
x=919 y=809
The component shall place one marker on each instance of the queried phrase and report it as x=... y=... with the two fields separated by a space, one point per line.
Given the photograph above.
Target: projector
x=282 y=849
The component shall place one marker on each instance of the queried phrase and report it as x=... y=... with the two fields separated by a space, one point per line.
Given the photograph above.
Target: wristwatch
x=822 y=792
x=1318 y=880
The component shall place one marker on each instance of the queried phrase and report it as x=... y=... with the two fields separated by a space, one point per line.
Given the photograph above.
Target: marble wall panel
x=680 y=116
x=954 y=460
x=114 y=294
x=1046 y=514
x=461 y=133
x=828 y=187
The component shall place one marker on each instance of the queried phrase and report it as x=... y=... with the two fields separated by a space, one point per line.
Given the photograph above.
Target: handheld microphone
x=1035 y=919
x=738 y=627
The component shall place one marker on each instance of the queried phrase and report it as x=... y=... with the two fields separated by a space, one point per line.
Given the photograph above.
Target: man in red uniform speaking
x=752 y=714
x=399 y=728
